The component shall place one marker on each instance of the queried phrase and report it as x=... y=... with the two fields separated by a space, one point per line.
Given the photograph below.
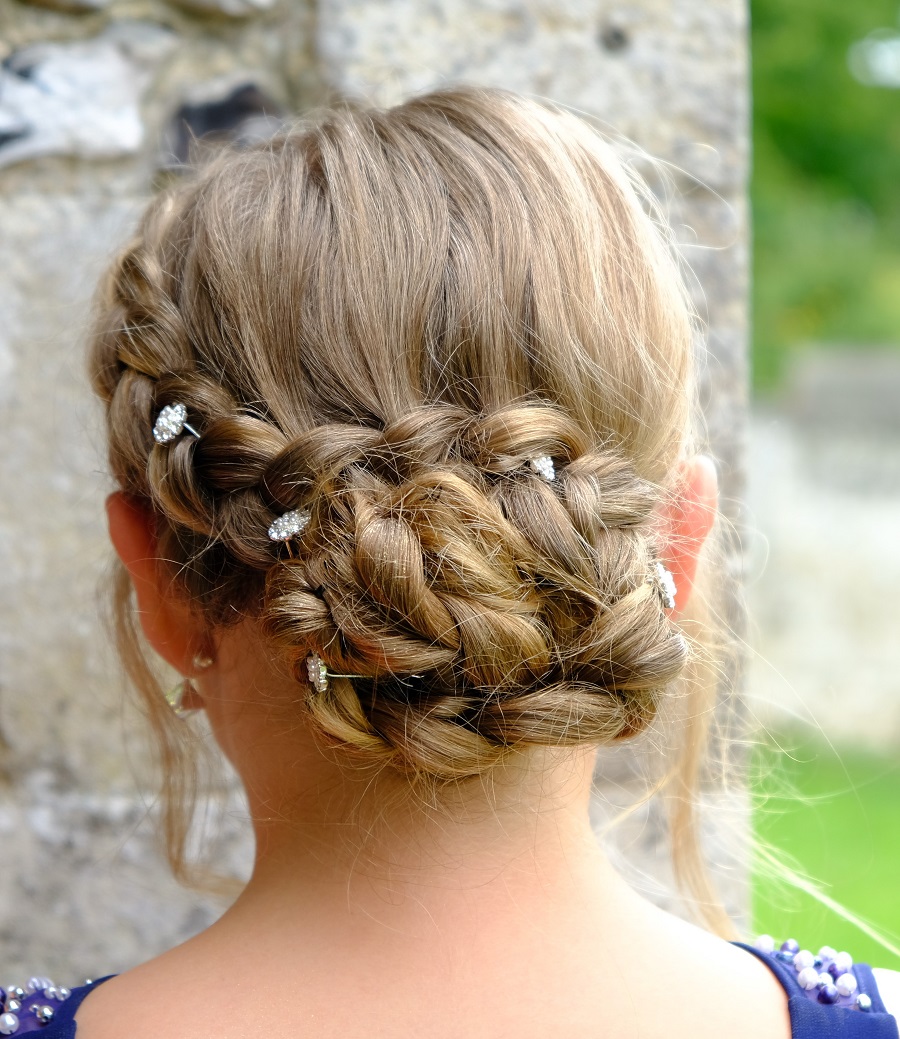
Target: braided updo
x=382 y=317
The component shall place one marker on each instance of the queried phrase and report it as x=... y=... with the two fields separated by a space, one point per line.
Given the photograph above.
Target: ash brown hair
x=382 y=316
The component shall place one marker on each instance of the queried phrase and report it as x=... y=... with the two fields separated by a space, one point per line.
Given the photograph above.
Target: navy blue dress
x=829 y=997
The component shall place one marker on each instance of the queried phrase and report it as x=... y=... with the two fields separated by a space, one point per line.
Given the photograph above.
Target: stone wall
x=823 y=573
x=92 y=97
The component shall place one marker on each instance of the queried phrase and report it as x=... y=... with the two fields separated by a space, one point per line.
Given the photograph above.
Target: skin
x=370 y=914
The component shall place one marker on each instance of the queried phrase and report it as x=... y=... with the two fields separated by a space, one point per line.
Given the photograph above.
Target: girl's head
x=383 y=317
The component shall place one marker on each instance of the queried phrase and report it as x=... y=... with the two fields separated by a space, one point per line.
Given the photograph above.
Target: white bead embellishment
x=34 y=1004
x=846 y=984
x=666 y=583
x=317 y=673
x=289 y=525
x=808 y=978
x=825 y=978
x=543 y=466
x=171 y=422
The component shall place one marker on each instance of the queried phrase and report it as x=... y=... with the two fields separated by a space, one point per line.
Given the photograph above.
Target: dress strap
x=861 y=1015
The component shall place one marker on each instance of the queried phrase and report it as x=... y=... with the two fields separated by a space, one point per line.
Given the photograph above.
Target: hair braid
x=396 y=379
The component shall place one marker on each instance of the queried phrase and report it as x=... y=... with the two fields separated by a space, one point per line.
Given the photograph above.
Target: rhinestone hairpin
x=543 y=466
x=317 y=673
x=289 y=525
x=665 y=582
x=170 y=423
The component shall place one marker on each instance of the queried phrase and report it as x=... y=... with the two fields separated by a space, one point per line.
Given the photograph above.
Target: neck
x=334 y=841
x=368 y=855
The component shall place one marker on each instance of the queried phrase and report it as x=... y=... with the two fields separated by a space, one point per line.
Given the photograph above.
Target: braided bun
x=383 y=318
x=485 y=607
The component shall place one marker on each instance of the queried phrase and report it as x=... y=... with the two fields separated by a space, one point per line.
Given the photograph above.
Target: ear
x=687 y=521
x=168 y=622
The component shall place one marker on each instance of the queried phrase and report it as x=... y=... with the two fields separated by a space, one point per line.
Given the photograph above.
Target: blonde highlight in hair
x=383 y=317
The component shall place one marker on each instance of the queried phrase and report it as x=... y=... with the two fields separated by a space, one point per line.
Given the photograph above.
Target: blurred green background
x=826 y=225
x=826 y=186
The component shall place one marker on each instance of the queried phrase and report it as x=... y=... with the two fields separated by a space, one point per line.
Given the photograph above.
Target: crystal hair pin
x=543 y=466
x=318 y=674
x=665 y=582
x=171 y=422
x=289 y=525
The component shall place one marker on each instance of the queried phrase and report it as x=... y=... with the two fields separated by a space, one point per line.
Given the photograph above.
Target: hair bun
x=498 y=610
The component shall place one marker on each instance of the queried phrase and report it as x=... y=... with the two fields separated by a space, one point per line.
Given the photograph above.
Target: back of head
x=384 y=317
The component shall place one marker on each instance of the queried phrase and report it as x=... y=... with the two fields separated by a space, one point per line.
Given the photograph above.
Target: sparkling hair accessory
x=665 y=582
x=171 y=422
x=289 y=525
x=317 y=673
x=543 y=466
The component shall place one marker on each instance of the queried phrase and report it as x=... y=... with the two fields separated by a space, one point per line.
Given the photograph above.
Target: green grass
x=837 y=819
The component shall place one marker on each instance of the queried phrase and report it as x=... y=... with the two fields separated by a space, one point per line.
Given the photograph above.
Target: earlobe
x=687 y=521
x=168 y=624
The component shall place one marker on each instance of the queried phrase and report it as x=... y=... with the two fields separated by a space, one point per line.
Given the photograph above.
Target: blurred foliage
x=838 y=816
x=826 y=184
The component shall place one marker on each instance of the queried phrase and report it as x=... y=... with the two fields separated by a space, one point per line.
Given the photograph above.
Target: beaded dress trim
x=42 y=1006
x=829 y=996
x=824 y=977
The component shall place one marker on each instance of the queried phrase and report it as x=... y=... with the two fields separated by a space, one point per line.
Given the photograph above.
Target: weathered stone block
x=219 y=111
x=228 y=8
x=80 y=99
x=71 y=5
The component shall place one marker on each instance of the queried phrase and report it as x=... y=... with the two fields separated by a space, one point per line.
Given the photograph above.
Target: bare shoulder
x=664 y=977
x=888 y=982
x=690 y=957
